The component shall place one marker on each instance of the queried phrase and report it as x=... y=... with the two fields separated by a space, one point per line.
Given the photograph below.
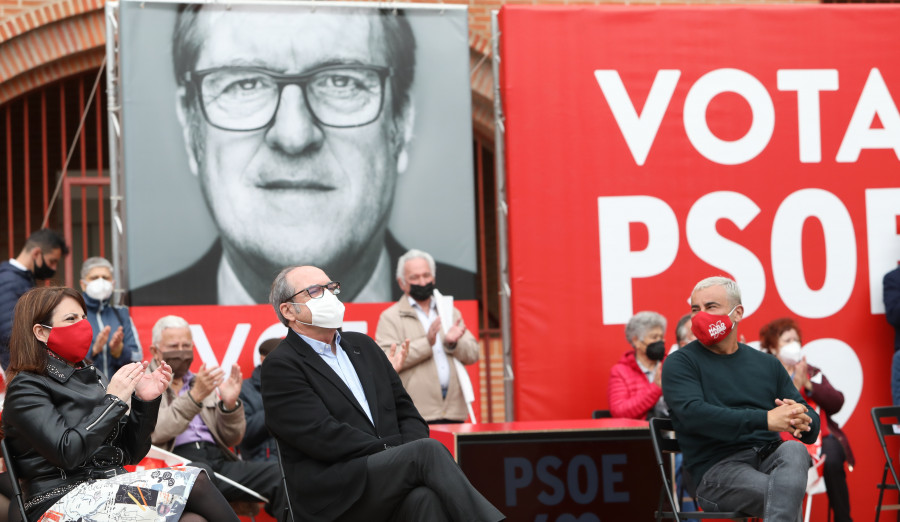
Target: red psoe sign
x=650 y=147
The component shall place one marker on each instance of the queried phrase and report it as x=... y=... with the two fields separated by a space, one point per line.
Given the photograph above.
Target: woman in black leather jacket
x=69 y=430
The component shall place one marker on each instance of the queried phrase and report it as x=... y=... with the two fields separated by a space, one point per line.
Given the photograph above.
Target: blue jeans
x=771 y=488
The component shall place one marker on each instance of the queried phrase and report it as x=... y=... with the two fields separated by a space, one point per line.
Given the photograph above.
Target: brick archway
x=481 y=81
x=42 y=41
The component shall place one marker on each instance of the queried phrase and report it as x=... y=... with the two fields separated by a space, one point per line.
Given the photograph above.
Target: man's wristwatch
x=237 y=404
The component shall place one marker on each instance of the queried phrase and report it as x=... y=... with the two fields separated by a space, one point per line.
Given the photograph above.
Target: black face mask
x=43 y=271
x=421 y=292
x=656 y=351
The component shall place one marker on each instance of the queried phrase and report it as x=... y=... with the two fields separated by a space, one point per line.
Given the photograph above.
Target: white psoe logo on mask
x=717 y=329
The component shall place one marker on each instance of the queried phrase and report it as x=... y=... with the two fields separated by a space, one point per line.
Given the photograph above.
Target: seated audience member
x=201 y=417
x=115 y=340
x=683 y=333
x=728 y=402
x=70 y=430
x=353 y=445
x=429 y=373
x=683 y=336
x=257 y=443
x=782 y=338
x=635 y=389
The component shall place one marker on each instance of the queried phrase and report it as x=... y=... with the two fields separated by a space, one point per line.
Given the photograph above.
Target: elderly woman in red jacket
x=782 y=338
x=635 y=389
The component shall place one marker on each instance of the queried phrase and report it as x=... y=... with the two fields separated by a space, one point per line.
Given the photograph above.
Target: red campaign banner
x=650 y=147
x=225 y=335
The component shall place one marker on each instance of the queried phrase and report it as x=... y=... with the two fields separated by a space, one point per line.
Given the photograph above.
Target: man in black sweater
x=728 y=402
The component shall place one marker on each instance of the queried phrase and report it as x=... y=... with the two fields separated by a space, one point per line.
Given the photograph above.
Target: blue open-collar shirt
x=340 y=363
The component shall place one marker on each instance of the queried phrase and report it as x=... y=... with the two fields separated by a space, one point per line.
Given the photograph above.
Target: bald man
x=353 y=445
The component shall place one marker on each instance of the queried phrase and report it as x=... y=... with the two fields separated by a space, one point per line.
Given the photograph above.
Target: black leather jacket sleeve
x=30 y=409
x=65 y=422
x=134 y=441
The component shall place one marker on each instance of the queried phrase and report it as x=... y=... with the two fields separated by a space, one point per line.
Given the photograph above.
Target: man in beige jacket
x=429 y=372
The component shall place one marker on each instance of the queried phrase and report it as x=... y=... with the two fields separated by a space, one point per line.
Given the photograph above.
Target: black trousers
x=415 y=482
x=836 y=478
x=262 y=477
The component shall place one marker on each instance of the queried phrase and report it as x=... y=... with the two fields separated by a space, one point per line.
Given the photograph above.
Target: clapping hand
x=433 y=331
x=455 y=332
x=115 y=343
x=230 y=388
x=100 y=341
x=801 y=375
x=206 y=381
x=152 y=385
x=125 y=380
x=398 y=354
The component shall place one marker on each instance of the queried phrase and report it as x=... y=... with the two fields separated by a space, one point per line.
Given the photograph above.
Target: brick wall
x=492 y=396
x=480 y=10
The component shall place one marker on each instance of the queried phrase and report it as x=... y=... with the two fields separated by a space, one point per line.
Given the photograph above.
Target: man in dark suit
x=353 y=444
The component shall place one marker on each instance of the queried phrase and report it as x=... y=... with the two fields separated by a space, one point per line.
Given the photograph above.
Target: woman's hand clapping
x=126 y=379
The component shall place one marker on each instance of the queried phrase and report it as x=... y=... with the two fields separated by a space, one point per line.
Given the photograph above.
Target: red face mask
x=711 y=329
x=71 y=342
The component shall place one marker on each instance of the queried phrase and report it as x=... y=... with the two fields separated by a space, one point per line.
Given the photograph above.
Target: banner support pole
x=116 y=171
x=502 y=214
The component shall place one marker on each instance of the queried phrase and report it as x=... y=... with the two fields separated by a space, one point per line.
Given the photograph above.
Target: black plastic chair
x=601 y=414
x=884 y=419
x=659 y=429
x=14 y=480
x=287 y=492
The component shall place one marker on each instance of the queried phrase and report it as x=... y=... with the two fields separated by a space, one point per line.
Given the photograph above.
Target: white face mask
x=790 y=353
x=99 y=289
x=327 y=311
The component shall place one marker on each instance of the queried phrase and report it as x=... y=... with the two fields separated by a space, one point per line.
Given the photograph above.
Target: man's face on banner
x=307 y=177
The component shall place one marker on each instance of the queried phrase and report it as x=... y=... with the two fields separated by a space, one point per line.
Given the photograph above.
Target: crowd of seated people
x=81 y=404
x=105 y=406
x=70 y=429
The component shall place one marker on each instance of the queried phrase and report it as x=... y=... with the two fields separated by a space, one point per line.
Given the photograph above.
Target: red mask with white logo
x=711 y=329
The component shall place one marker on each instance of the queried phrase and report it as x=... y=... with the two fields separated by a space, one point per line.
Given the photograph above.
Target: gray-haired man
x=430 y=372
x=201 y=417
x=115 y=338
x=728 y=403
